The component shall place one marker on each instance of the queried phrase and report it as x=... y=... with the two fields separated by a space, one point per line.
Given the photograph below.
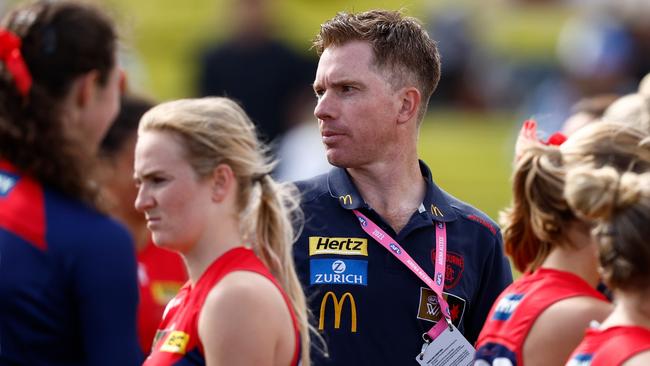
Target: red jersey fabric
x=516 y=309
x=611 y=346
x=177 y=340
x=161 y=274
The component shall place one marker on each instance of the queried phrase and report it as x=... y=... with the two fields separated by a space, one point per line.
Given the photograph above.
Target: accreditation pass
x=450 y=348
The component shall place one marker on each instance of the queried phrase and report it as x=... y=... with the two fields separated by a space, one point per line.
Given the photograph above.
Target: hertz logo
x=338 y=307
x=342 y=246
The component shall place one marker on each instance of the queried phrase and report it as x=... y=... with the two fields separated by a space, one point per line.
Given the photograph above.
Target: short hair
x=400 y=45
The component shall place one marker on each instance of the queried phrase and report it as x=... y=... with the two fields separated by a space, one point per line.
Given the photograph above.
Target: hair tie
x=257 y=178
x=13 y=59
x=528 y=134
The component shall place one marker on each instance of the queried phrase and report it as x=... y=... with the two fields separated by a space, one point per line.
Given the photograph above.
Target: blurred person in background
x=161 y=273
x=558 y=259
x=68 y=286
x=269 y=79
x=205 y=188
x=586 y=111
x=376 y=73
x=618 y=201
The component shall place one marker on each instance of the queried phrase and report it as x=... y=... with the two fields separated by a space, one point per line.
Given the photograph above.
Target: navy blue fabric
x=73 y=302
x=389 y=325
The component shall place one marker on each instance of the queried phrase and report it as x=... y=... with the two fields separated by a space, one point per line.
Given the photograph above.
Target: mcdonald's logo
x=346 y=200
x=338 y=307
x=436 y=211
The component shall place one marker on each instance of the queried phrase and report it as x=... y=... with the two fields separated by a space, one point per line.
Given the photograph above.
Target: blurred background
x=503 y=61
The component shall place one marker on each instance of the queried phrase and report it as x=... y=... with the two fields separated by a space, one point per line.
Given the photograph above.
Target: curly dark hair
x=60 y=41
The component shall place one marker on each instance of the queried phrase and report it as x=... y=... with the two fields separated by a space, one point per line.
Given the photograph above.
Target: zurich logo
x=338 y=266
x=439 y=279
x=395 y=248
x=363 y=221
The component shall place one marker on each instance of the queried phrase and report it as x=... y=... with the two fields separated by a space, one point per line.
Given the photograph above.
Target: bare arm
x=245 y=321
x=560 y=328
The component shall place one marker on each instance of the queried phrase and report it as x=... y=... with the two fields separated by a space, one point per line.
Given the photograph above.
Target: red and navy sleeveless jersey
x=610 y=347
x=161 y=274
x=369 y=307
x=177 y=340
x=515 y=311
x=68 y=285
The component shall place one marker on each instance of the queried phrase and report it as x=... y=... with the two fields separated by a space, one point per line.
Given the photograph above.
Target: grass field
x=470 y=157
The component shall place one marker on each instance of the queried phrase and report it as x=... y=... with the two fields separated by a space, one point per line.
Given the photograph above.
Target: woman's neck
x=631 y=309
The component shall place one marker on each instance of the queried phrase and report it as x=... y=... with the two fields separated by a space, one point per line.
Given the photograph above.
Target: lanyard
x=441 y=256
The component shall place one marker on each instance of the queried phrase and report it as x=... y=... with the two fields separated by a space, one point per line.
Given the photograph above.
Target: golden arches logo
x=436 y=211
x=338 y=307
x=346 y=200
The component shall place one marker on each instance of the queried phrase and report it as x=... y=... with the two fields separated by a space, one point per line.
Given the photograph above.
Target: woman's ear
x=410 y=99
x=222 y=181
x=84 y=88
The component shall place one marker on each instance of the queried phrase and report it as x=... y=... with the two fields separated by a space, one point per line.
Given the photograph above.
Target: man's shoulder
x=313 y=189
x=471 y=215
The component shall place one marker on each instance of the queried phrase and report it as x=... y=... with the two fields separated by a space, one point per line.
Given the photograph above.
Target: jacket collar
x=435 y=204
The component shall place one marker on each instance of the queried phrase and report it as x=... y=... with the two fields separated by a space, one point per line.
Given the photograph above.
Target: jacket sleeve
x=107 y=291
x=494 y=278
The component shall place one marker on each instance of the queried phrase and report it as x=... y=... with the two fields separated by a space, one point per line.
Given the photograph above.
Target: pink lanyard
x=441 y=256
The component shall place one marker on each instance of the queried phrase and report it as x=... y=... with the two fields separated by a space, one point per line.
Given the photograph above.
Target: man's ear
x=222 y=182
x=410 y=99
x=85 y=87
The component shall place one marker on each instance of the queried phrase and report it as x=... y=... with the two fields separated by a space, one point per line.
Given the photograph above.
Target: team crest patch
x=430 y=310
x=454 y=268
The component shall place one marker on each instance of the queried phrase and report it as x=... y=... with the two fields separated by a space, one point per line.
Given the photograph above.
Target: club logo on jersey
x=7 y=183
x=581 y=359
x=174 y=341
x=338 y=272
x=341 y=246
x=454 y=266
x=429 y=309
x=338 y=308
x=506 y=306
x=346 y=200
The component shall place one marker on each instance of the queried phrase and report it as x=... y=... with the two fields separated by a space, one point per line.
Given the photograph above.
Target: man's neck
x=394 y=191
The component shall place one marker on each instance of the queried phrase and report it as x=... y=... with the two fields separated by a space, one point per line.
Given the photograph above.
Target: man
x=376 y=73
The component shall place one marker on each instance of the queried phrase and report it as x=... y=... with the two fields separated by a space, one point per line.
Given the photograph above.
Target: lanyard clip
x=451 y=326
x=427 y=341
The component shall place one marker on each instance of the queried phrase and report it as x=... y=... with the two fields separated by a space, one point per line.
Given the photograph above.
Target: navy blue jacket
x=370 y=308
x=68 y=283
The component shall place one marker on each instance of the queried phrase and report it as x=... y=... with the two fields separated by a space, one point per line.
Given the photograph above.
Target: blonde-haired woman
x=205 y=189
x=547 y=242
x=617 y=198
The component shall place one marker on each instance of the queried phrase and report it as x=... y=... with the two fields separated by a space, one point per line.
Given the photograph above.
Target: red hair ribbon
x=528 y=134
x=13 y=59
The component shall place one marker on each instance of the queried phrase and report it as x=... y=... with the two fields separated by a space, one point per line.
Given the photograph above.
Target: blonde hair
x=632 y=109
x=217 y=131
x=536 y=220
x=618 y=145
x=619 y=202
